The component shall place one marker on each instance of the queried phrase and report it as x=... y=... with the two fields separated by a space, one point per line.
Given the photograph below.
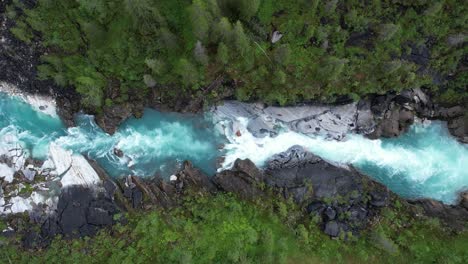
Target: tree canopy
x=328 y=49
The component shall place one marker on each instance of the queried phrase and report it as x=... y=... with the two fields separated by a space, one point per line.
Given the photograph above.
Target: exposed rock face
x=243 y=179
x=192 y=179
x=342 y=199
x=395 y=113
x=338 y=195
x=80 y=212
x=64 y=195
x=165 y=194
x=73 y=169
x=327 y=120
x=464 y=200
x=113 y=116
x=311 y=178
x=387 y=115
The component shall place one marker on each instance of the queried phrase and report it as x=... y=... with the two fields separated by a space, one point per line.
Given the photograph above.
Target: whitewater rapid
x=425 y=162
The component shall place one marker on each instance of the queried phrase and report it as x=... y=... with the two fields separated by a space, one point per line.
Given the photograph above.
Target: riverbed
x=425 y=162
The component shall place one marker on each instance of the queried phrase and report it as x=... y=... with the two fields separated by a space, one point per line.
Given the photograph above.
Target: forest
x=224 y=229
x=279 y=52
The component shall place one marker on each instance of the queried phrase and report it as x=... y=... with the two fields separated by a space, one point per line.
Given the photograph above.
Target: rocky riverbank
x=378 y=115
x=71 y=196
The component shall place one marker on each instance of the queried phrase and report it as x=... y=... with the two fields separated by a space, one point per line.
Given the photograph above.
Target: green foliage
x=327 y=49
x=223 y=53
x=222 y=229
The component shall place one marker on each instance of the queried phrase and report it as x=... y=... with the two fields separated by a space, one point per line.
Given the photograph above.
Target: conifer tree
x=223 y=31
x=223 y=53
x=241 y=41
x=200 y=20
x=248 y=8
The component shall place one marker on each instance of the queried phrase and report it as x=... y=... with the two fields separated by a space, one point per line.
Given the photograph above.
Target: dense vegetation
x=223 y=229
x=109 y=49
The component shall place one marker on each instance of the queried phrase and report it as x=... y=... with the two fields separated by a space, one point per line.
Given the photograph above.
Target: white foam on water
x=40 y=103
x=426 y=162
x=437 y=166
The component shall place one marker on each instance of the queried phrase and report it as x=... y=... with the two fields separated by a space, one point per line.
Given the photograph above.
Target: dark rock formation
x=309 y=178
x=118 y=152
x=464 y=200
x=80 y=212
x=156 y=192
x=243 y=179
x=193 y=180
x=395 y=113
x=343 y=199
x=113 y=116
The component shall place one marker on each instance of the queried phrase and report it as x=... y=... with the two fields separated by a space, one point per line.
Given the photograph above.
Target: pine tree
x=187 y=72
x=241 y=41
x=223 y=53
x=139 y=10
x=248 y=8
x=200 y=20
x=222 y=31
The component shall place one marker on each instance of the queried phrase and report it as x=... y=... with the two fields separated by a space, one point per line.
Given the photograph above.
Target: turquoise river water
x=425 y=162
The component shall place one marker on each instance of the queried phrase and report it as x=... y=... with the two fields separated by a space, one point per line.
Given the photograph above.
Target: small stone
x=379 y=199
x=29 y=174
x=330 y=213
x=118 y=152
x=276 y=37
x=173 y=178
x=332 y=229
x=315 y=207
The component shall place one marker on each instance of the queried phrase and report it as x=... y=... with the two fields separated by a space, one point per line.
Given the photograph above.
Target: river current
x=425 y=162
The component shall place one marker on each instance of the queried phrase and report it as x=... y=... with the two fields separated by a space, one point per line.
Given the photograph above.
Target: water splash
x=157 y=143
x=425 y=162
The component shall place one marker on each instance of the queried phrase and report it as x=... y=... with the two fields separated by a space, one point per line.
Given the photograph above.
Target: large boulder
x=81 y=212
x=393 y=118
x=244 y=179
x=331 y=121
x=458 y=127
x=113 y=116
x=304 y=176
x=326 y=190
x=394 y=113
x=192 y=179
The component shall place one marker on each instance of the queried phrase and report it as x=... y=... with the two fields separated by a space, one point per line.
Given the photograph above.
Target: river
x=426 y=162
